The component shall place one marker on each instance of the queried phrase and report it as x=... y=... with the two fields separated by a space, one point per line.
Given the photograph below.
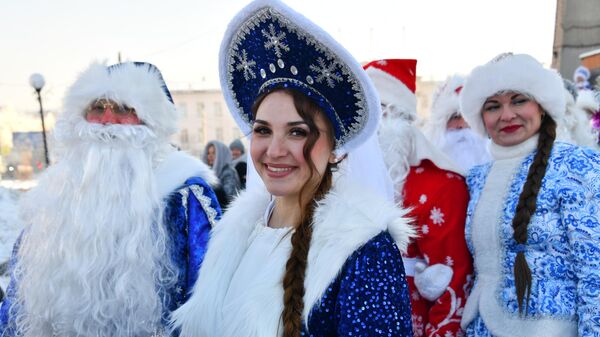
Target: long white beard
x=94 y=260
x=397 y=144
x=466 y=148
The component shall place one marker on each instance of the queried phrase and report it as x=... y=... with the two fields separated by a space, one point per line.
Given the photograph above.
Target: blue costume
x=355 y=282
x=562 y=251
x=191 y=211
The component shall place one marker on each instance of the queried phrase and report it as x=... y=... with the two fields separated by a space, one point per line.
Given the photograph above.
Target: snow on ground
x=10 y=226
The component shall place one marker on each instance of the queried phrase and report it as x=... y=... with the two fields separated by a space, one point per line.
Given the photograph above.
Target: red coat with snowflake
x=438 y=199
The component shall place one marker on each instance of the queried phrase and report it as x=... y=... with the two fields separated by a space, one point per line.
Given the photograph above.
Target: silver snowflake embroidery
x=245 y=65
x=422 y=199
x=419 y=170
x=275 y=40
x=436 y=216
x=326 y=72
x=449 y=261
x=425 y=229
x=178 y=290
x=450 y=175
x=415 y=295
x=382 y=62
x=448 y=334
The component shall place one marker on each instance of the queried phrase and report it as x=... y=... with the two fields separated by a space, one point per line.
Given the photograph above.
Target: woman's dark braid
x=295 y=269
x=526 y=208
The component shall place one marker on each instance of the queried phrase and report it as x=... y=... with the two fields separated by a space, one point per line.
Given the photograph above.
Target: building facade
x=204 y=117
x=576 y=33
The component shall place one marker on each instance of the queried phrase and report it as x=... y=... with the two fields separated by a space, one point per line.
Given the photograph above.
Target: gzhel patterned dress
x=562 y=250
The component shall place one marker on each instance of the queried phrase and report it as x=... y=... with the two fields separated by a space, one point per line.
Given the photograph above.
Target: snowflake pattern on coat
x=563 y=247
x=438 y=199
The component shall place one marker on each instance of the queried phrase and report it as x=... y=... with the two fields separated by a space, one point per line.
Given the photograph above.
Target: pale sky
x=60 y=38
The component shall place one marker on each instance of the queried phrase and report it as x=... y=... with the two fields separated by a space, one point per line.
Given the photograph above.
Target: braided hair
x=295 y=269
x=527 y=206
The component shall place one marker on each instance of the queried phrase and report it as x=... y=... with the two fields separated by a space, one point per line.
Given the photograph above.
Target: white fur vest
x=347 y=218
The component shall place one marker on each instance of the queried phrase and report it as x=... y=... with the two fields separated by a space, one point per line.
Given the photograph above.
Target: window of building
x=219 y=133
x=184 y=137
x=200 y=109
x=182 y=107
x=217 y=108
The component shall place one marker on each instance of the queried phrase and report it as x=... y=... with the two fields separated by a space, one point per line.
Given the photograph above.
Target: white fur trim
x=179 y=166
x=372 y=98
x=587 y=101
x=393 y=91
x=345 y=220
x=432 y=281
x=444 y=104
x=519 y=73
x=136 y=86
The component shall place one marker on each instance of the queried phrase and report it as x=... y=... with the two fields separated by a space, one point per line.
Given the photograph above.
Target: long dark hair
x=526 y=208
x=295 y=269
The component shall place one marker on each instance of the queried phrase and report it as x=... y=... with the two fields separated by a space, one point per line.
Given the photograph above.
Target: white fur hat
x=511 y=72
x=444 y=104
x=135 y=84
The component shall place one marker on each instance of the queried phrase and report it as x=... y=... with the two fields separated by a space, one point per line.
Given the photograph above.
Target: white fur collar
x=176 y=168
x=499 y=152
x=344 y=221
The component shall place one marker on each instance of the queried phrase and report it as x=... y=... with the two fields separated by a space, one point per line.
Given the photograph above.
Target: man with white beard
x=438 y=265
x=116 y=230
x=447 y=129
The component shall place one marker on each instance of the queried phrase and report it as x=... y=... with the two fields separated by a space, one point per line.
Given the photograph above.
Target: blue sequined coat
x=563 y=250
x=355 y=283
x=190 y=213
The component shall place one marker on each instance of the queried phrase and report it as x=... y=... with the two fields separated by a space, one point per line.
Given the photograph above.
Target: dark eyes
x=261 y=130
x=298 y=132
x=295 y=132
x=518 y=100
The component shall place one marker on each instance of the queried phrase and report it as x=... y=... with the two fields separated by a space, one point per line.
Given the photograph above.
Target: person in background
x=306 y=253
x=533 y=219
x=238 y=153
x=117 y=228
x=218 y=157
x=438 y=264
x=575 y=126
x=581 y=77
x=447 y=129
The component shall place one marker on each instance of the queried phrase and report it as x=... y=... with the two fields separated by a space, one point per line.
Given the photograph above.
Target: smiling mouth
x=278 y=169
x=510 y=129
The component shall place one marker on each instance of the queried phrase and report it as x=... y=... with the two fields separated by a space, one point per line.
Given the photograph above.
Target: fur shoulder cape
x=347 y=218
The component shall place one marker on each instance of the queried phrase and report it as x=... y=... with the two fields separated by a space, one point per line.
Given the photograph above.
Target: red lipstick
x=510 y=128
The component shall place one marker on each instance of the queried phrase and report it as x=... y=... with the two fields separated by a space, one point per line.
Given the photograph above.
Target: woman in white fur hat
x=533 y=218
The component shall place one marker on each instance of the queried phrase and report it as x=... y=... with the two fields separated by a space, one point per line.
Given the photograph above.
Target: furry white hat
x=135 y=84
x=444 y=104
x=511 y=72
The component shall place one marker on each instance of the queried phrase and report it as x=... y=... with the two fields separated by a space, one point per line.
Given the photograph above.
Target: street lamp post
x=37 y=82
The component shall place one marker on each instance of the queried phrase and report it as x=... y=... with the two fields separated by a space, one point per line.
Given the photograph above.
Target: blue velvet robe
x=190 y=213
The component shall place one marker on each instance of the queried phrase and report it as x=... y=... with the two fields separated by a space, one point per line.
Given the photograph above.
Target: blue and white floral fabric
x=563 y=248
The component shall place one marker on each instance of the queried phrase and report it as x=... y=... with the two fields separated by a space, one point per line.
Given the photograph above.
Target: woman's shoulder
x=580 y=160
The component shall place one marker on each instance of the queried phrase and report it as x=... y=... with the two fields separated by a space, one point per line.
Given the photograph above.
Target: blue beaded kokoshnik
x=369 y=297
x=270 y=51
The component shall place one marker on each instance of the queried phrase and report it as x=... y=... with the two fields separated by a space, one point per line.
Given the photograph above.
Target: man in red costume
x=438 y=264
